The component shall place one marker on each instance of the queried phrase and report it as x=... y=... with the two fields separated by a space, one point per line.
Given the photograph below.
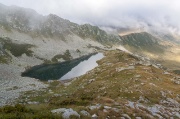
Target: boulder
x=85 y=113
x=94 y=116
x=66 y=113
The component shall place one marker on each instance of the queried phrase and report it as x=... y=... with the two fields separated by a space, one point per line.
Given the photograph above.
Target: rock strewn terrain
x=122 y=86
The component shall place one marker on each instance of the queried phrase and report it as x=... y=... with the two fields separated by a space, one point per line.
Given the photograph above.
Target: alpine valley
x=138 y=76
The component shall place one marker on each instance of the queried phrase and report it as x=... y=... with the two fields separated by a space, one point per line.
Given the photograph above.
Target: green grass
x=66 y=56
x=108 y=86
x=4 y=59
x=16 y=49
x=6 y=26
x=24 y=112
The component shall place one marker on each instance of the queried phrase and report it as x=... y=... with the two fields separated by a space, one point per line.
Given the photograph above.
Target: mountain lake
x=64 y=70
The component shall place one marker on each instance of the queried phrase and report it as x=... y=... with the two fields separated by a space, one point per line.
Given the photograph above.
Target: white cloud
x=120 y=13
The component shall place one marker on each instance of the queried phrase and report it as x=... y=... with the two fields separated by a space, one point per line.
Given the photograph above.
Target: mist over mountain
x=125 y=14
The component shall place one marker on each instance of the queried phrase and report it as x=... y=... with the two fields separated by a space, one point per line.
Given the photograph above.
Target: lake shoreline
x=45 y=72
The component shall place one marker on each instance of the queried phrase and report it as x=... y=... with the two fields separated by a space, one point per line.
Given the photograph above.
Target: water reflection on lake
x=63 y=70
x=83 y=67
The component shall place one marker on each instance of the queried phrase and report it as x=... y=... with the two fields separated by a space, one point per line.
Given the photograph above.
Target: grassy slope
x=106 y=86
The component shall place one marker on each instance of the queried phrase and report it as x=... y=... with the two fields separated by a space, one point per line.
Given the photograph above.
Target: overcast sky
x=118 y=13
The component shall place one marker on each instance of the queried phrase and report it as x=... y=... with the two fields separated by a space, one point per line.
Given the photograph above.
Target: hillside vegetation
x=122 y=85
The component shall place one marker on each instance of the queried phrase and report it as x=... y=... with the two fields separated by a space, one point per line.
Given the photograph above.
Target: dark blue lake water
x=64 y=70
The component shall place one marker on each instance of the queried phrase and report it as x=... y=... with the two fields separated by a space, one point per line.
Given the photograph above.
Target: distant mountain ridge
x=142 y=42
x=29 y=21
x=158 y=48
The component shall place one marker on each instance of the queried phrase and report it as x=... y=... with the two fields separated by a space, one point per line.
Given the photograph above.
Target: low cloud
x=158 y=14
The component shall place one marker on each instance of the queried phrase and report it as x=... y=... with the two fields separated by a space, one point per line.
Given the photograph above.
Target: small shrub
x=45 y=116
x=8 y=109
x=66 y=102
x=20 y=108
x=86 y=97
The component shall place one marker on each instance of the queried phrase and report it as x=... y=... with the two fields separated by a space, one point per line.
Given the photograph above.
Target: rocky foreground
x=122 y=86
x=12 y=84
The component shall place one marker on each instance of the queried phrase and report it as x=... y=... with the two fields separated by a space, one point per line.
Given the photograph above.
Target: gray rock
x=33 y=103
x=107 y=107
x=69 y=112
x=157 y=67
x=66 y=113
x=123 y=118
x=91 y=80
x=173 y=101
x=125 y=68
x=115 y=109
x=177 y=114
x=94 y=116
x=108 y=117
x=126 y=116
x=166 y=72
x=105 y=110
x=67 y=84
x=84 y=113
x=97 y=106
x=137 y=76
x=60 y=110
